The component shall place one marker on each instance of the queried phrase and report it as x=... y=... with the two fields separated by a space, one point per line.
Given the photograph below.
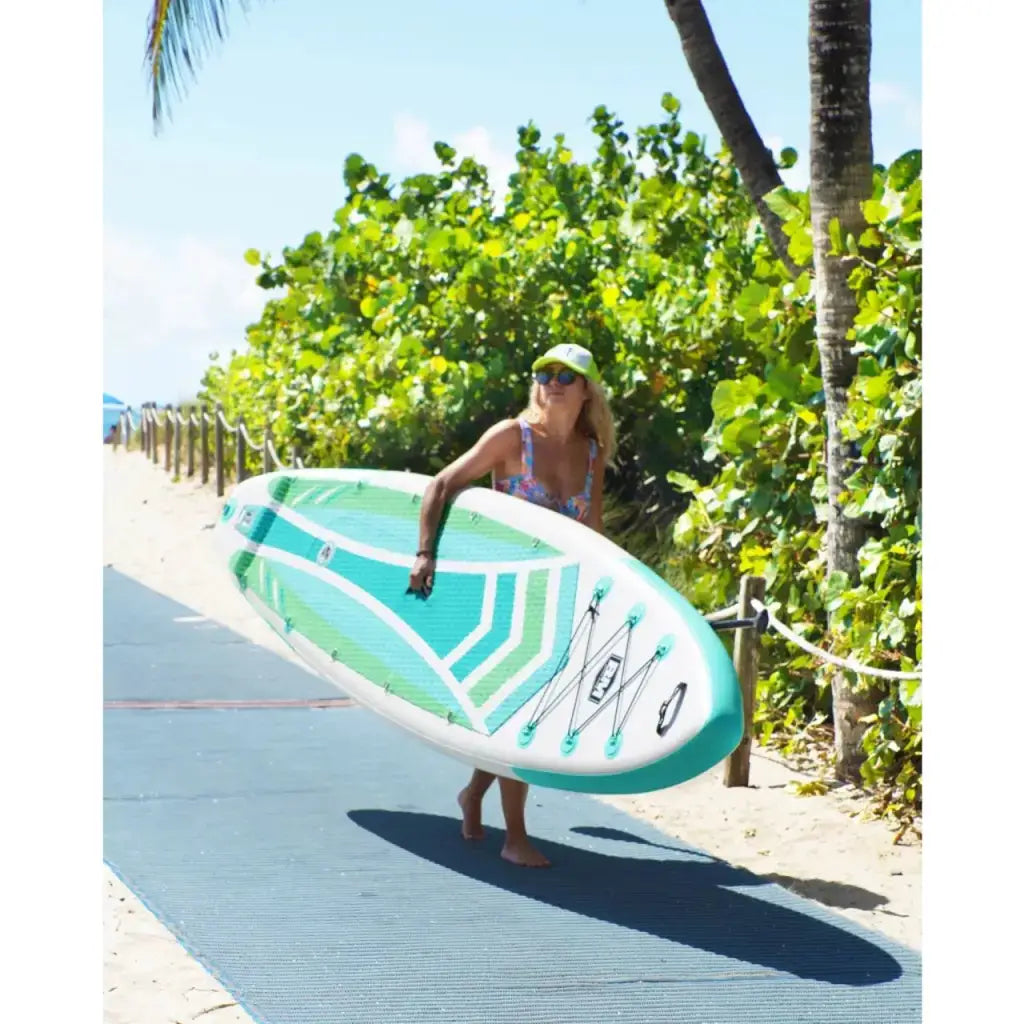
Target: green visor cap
x=573 y=356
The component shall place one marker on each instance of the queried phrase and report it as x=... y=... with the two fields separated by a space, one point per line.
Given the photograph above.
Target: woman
x=554 y=455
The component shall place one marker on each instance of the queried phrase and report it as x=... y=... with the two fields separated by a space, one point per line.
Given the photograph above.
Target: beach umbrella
x=112 y=409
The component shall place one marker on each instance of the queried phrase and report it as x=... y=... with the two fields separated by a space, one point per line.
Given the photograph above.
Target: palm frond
x=180 y=33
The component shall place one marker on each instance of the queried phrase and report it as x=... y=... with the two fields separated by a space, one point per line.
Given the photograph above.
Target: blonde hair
x=595 y=417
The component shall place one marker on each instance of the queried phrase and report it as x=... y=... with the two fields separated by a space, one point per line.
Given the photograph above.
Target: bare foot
x=472 y=824
x=524 y=853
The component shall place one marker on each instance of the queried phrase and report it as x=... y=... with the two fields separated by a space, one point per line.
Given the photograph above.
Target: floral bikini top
x=529 y=488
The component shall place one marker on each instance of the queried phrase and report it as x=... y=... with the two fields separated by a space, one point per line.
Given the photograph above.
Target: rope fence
x=748 y=618
x=171 y=432
x=847 y=663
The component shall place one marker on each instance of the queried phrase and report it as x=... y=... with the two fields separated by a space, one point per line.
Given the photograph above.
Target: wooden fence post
x=168 y=436
x=156 y=437
x=268 y=463
x=177 y=443
x=240 y=450
x=218 y=445
x=127 y=428
x=746 y=646
x=190 y=441
x=204 y=445
x=146 y=429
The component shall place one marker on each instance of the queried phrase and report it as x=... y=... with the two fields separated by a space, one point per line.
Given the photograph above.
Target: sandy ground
x=158 y=532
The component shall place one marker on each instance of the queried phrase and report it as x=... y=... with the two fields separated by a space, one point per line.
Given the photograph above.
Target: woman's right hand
x=421 y=578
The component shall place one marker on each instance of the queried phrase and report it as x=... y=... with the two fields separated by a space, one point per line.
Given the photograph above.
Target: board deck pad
x=544 y=651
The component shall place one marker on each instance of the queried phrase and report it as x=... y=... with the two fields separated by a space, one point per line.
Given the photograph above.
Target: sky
x=252 y=155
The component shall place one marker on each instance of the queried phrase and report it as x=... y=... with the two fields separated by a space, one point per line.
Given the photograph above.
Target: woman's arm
x=494 y=448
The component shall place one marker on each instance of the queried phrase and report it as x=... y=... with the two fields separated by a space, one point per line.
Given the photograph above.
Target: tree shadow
x=620 y=836
x=684 y=900
x=831 y=894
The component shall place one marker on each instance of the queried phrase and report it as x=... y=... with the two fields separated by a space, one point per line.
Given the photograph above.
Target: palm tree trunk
x=841 y=178
x=753 y=159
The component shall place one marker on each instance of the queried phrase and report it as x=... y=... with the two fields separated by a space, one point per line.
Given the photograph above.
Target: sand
x=159 y=533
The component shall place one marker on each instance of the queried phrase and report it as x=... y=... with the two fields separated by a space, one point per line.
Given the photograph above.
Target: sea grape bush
x=396 y=337
x=765 y=510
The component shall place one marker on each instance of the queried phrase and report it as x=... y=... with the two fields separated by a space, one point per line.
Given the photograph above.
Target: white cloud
x=891 y=94
x=166 y=307
x=413 y=150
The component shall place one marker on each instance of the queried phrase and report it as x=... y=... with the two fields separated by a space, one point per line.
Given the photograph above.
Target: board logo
x=605 y=679
x=325 y=554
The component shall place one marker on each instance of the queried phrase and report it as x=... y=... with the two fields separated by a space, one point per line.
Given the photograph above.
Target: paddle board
x=544 y=651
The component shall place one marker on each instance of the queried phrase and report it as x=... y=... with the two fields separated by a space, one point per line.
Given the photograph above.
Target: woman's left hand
x=421 y=578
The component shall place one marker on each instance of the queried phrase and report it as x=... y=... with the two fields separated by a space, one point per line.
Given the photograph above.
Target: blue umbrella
x=112 y=409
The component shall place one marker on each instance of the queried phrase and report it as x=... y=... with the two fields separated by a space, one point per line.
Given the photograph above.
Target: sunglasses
x=564 y=377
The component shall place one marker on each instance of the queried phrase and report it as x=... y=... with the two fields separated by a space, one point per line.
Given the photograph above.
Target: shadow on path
x=683 y=900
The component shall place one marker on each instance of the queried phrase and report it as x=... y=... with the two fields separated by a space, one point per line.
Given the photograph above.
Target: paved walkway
x=308 y=854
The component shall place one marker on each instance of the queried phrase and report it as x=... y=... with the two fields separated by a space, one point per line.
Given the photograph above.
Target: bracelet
x=425 y=551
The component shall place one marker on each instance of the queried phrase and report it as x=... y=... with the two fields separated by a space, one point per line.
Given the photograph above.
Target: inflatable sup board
x=544 y=651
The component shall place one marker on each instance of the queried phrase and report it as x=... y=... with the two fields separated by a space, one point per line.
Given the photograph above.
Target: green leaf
x=875 y=212
x=801 y=247
x=740 y=435
x=682 y=482
x=781 y=201
x=878 y=501
x=669 y=103
x=832 y=591
x=835 y=236
x=310 y=360
x=878 y=387
x=910 y=692
x=252 y=257
x=733 y=397
x=691 y=143
x=788 y=158
x=445 y=153
x=749 y=300
x=371 y=231
x=355 y=169
x=869 y=237
x=905 y=170
x=784 y=382
x=895 y=631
